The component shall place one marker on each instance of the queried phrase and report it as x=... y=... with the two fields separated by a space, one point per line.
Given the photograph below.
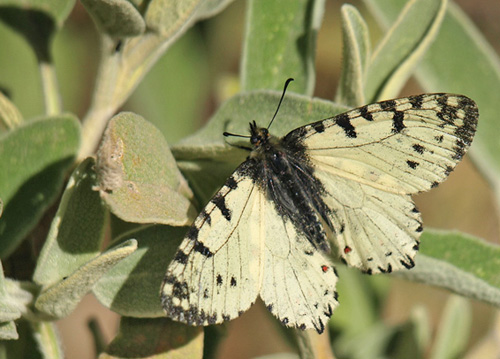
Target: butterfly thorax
x=281 y=168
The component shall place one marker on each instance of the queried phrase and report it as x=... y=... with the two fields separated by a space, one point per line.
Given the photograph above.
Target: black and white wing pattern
x=371 y=159
x=239 y=247
x=347 y=180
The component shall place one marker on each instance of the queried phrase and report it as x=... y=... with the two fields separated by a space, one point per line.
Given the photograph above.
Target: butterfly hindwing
x=215 y=275
x=298 y=284
x=377 y=231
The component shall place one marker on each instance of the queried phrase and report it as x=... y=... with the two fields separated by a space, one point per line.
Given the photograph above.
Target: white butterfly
x=346 y=179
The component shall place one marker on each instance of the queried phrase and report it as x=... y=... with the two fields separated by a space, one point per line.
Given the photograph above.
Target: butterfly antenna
x=281 y=99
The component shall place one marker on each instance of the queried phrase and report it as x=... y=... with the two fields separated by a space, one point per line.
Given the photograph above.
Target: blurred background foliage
x=187 y=84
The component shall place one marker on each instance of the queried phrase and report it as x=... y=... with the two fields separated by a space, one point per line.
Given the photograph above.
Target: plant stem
x=51 y=95
x=48 y=340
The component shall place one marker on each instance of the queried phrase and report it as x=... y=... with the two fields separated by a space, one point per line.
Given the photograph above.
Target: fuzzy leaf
x=8 y=310
x=132 y=287
x=125 y=63
x=118 y=18
x=279 y=43
x=36 y=21
x=77 y=230
x=356 y=53
x=402 y=47
x=138 y=176
x=458 y=262
x=34 y=158
x=61 y=299
x=155 y=339
x=57 y=10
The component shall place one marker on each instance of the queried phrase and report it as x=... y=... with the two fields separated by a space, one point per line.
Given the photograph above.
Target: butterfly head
x=258 y=135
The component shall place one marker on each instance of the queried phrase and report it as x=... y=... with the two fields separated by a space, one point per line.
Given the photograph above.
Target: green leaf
x=36 y=20
x=206 y=150
x=10 y=116
x=280 y=42
x=159 y=97
x=458 y=262
x=8 y=310
x=117 y=18
x=34 y=158
x=138 y=176
x=132 y=288
x=402 y=47
x=61 y=299
x=124 y=63
x=155 y=339
x=356 y=52
x=58 y=10
x=8 y=331
x=25 y=346
x=454 y=330
x=77 y=230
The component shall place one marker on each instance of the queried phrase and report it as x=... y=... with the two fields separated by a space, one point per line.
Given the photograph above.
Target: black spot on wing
x=320 y=327
x=398 y=122
x=343 y=120
x=410 y=263
x=318 y=126
x=181 y=257
x=233 y=282
x=418 y=148
x=200 y=248
x=439 y=139
x=180 y=290
x=206 y=217
x=412 y=164
x=231 y=183
x=416 y=101
x=219 y=280
x=220 y=203
x=363 y=111
x=192 y=233
x=387 y=105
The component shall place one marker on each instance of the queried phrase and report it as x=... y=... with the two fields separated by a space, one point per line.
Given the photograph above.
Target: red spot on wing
x=324 y=268
x=347 y=249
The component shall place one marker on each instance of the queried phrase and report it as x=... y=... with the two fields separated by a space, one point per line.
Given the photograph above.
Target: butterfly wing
x=215 y=275
x=298 y=284
x=372 y=158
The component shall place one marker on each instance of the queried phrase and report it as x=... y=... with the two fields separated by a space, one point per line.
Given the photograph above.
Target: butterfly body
x=345 y=181
x=282 y=171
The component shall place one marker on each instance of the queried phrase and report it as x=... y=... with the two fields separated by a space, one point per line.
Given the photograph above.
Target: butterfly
x=341 y=185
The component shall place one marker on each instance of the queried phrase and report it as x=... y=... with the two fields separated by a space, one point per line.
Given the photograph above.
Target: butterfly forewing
x=215 y=275
x=404 y=146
